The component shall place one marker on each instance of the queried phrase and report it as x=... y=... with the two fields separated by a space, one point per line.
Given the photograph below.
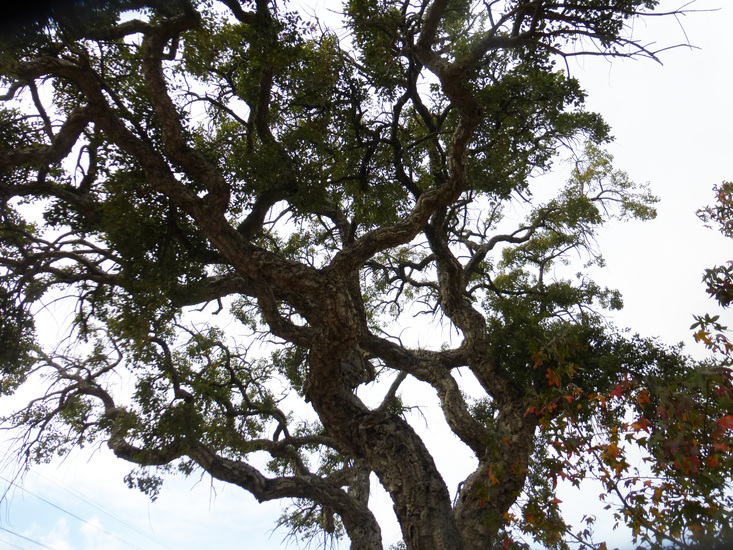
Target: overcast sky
x=673 y=125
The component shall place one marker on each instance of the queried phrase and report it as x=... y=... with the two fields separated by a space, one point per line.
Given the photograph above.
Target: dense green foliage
x=245 y=207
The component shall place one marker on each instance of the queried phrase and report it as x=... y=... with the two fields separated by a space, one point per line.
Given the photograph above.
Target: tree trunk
x=389 y=445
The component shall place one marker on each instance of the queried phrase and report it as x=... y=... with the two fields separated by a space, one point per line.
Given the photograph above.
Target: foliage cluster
x=243 y=206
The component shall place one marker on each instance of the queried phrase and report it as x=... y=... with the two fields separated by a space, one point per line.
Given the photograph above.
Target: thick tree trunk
x=408 y=472
x=489 y=492
x=470 y=511
x=395 y=453
x=388 y=444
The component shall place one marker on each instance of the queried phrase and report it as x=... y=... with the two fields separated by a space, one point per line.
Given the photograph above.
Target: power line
x=98 y=528
x=11 y=544
x=24 y=538
x=100 y=508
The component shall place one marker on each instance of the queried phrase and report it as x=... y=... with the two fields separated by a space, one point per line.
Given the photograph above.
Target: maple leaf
x=553 y=378
x=641 y=424
x=619 y=390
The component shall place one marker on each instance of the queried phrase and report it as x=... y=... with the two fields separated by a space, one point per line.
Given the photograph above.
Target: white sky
x=672 y=125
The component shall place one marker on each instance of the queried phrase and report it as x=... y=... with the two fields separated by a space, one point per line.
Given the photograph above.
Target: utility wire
x=11 y=544
x=25 y=538
x=98 y=528
x=101 y=508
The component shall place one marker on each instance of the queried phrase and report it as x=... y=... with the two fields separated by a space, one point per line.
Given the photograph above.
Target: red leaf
x=641 y=424
x=726 y=422
x=643 y=397
x=619 y=390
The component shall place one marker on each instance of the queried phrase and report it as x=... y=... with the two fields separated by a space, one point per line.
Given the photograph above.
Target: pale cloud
x=94 y=535
x=59 y=538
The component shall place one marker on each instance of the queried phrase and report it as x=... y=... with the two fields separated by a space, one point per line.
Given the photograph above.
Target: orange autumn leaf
x=613 y=450
x=643 y=397
x=641 y=424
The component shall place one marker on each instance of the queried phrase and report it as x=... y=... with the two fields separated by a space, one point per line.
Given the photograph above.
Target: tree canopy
x=246 y=205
